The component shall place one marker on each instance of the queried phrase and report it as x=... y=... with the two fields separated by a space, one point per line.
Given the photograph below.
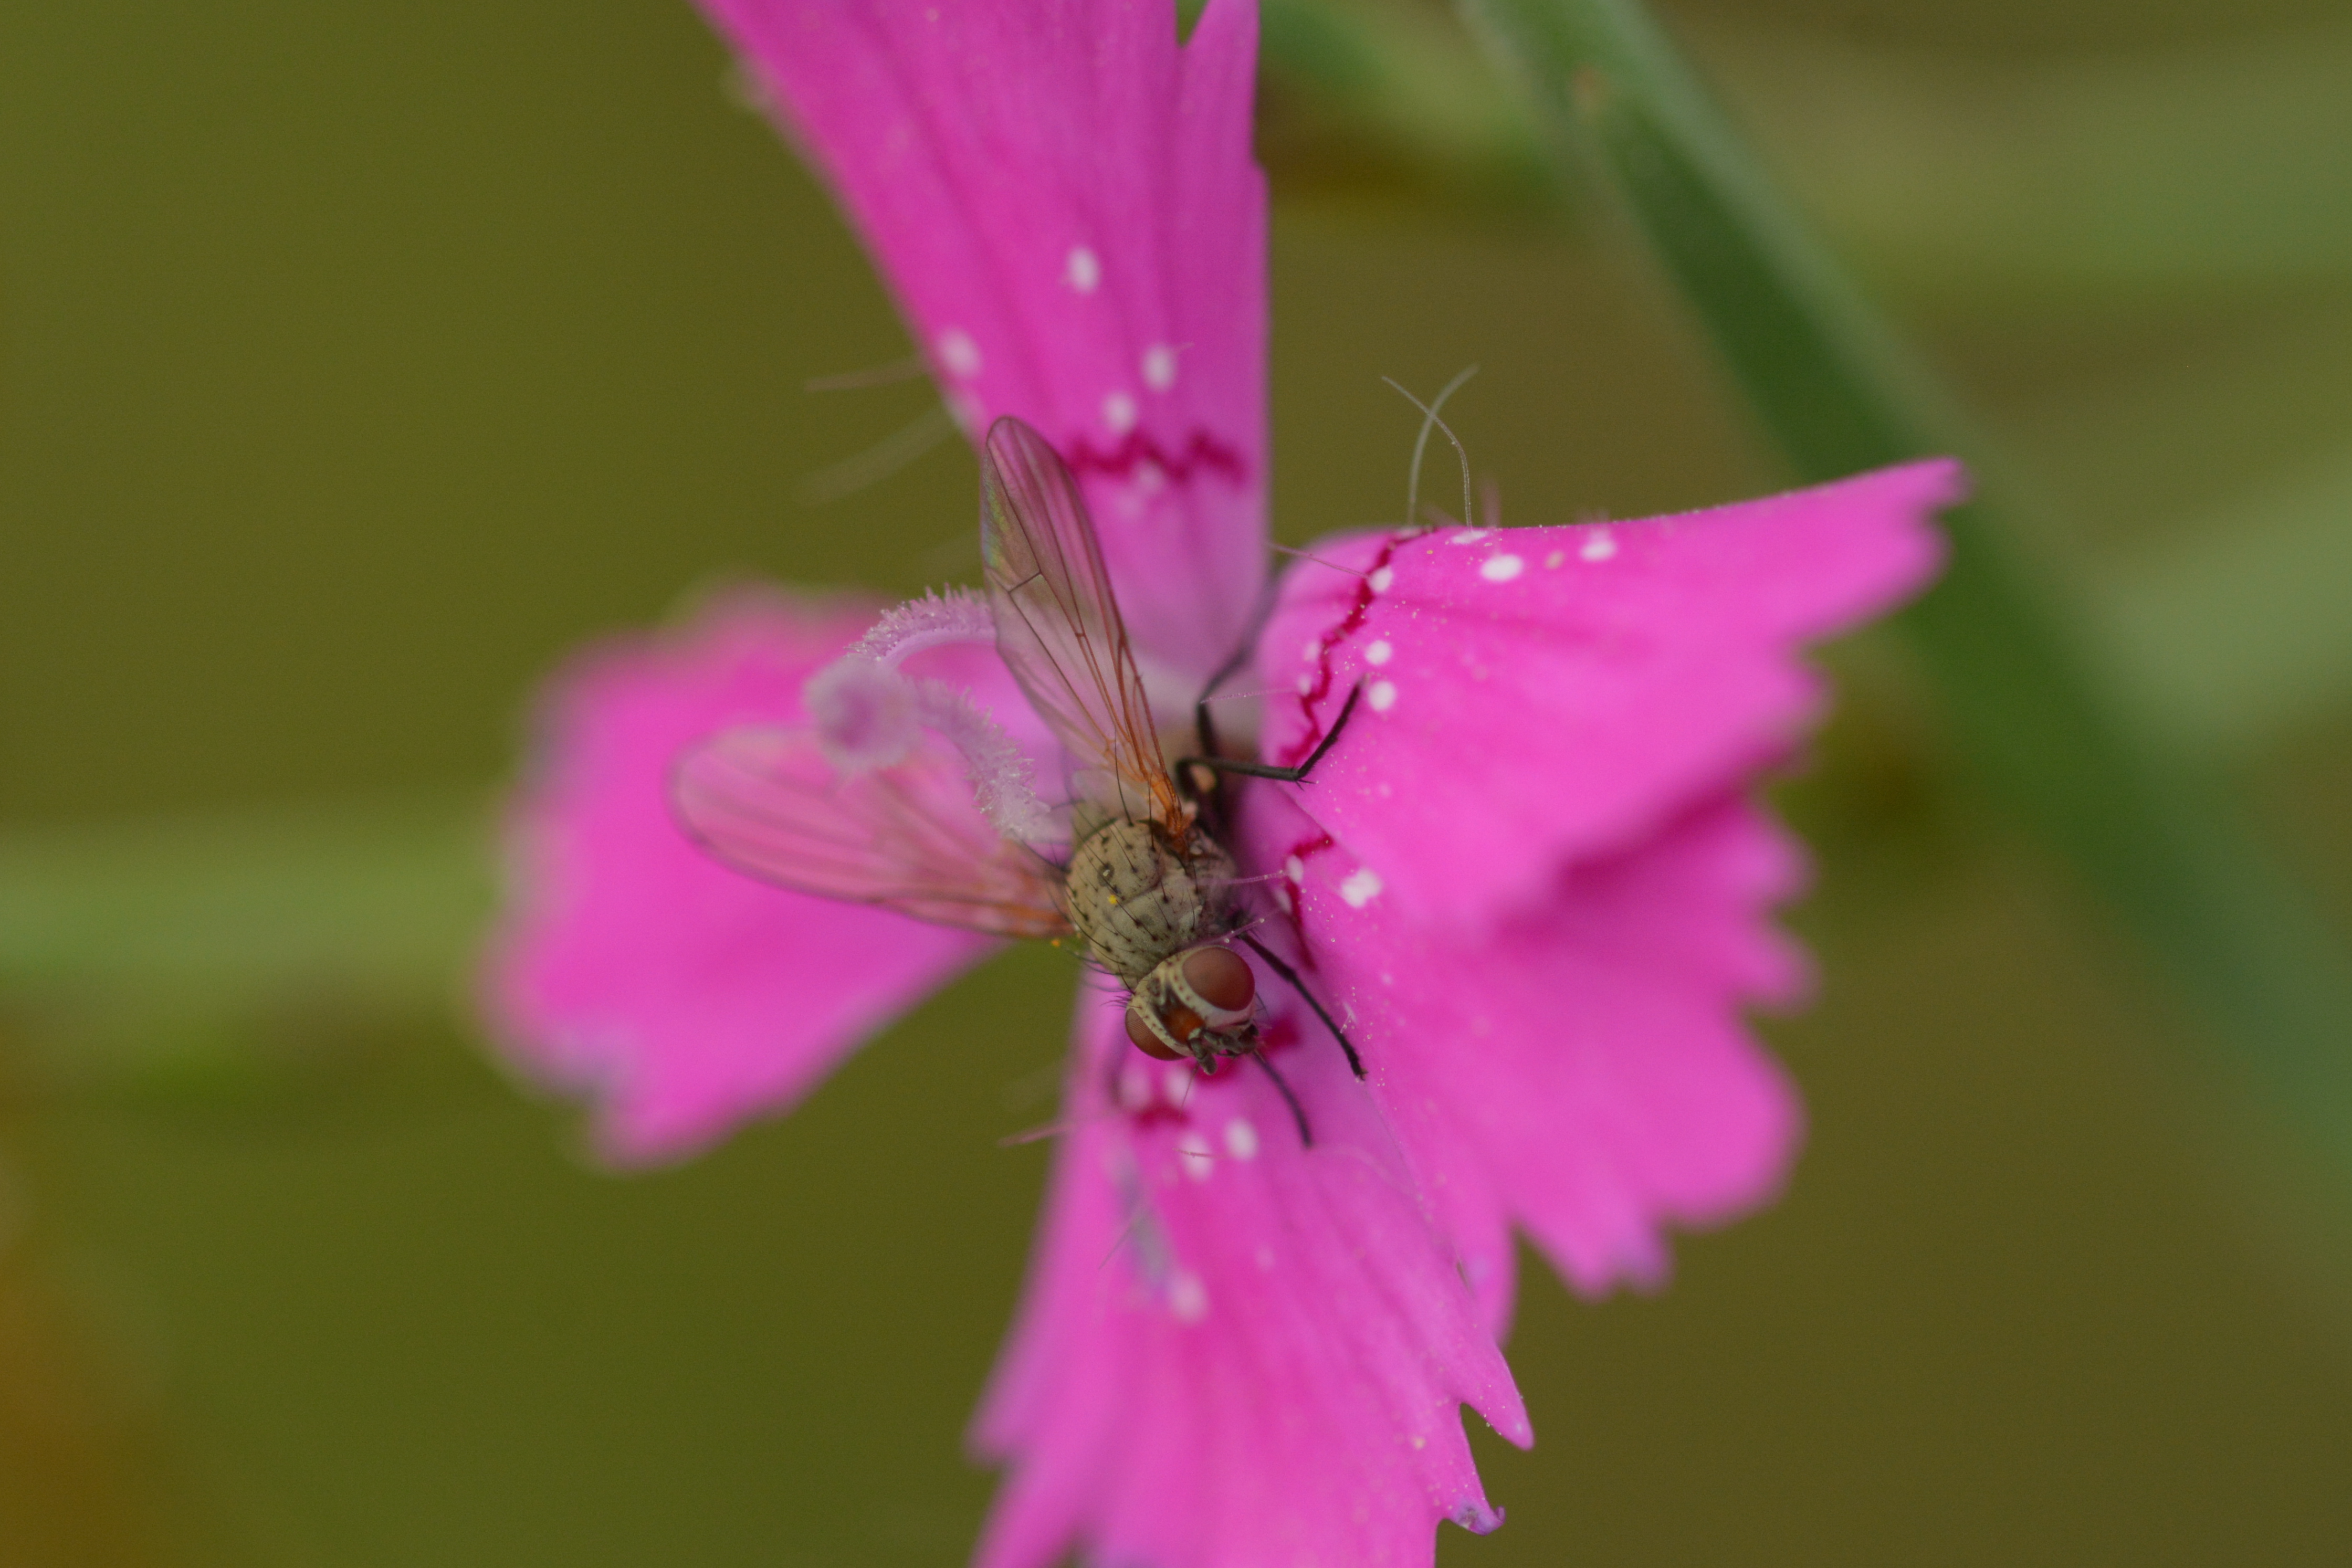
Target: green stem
x=2024 y=693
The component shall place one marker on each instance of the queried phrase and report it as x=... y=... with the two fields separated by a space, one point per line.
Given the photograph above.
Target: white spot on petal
x=1382 y=694
x=1469 y=536
x=1313 y=650
x=1379 y=652
x=1383 y=579
x=1295 y=869
x=959 y=355
x=1552 y=561
x=1119 y=412
x=1600 y=546
x=1134 y=1086
x=1083 y=271
x=1160 y=366
x=1305 y=685
x=1502 y=569
x=1188 y=1298
x=1199 y=1160
x=1150 y=478
x=1362 y=886
x=1241 y=1139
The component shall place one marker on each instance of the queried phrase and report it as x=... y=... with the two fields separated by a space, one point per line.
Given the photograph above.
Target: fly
x=1148 y=889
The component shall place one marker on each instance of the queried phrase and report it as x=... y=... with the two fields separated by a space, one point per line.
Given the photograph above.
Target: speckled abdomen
x=1136 y=898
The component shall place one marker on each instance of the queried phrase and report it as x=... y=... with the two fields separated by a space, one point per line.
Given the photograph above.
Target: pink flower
x=1526 y=879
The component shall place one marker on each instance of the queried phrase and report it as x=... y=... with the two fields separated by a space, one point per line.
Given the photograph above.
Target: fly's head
x=1199 y=1003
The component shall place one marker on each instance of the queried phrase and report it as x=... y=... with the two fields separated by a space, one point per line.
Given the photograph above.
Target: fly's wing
x=1057 y=625
x=906 y=837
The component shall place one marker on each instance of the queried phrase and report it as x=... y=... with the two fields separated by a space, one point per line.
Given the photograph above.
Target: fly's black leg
x=1225 y=671
x=1215 y=816
x=1297 y=1115
x=1284 y=775
x=1355 y=1063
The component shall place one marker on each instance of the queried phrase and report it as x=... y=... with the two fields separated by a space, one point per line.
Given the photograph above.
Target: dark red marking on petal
x=1293 y=909
x=1298 y=749
x=1280 y=1033
x=1201 y=453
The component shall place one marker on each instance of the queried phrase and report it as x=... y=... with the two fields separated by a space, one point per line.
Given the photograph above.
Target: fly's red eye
x=1140 y=1035
x=1221 y=978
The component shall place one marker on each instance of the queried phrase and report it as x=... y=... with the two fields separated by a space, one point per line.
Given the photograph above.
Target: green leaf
x=2199 y=171
x=2035 y=707
x=236 y=955
x=2236 y=626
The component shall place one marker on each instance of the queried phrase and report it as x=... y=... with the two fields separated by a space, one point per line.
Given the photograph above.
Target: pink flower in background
x=1526 y=877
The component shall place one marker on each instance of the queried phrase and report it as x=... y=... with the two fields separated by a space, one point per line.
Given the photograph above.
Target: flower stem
x=2024 y=691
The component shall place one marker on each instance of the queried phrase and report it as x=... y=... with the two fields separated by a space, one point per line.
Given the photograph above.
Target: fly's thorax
x=1138 y=897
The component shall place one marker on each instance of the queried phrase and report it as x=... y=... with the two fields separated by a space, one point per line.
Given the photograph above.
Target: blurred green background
x=359 y=361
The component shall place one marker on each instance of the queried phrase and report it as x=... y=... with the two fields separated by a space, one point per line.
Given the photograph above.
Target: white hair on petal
x=930 y=622
x=999 y=769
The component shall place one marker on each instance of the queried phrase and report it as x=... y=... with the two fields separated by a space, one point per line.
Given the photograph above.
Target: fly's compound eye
x=1218 y=979
x=1221 y=978
x=1140 y=1035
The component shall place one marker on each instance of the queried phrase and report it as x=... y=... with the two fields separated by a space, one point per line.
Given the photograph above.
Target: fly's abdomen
x=1137 y=899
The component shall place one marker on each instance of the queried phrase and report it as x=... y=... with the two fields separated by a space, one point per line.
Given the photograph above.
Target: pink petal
x=1579 y=1070
x=1537 y=696
x=1235 y=1350
x=684 y=996
x=1065 y=202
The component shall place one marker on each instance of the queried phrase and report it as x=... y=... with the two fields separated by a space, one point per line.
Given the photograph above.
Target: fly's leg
x=1298 y=1113
x=1260 y=613
x=1214 y=814
x=1201 y=722
x=1284 y=775
x=1355 y=1063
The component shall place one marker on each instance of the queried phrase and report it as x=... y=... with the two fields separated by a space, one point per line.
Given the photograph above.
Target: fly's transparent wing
x=769 y=802
x=1058 y=628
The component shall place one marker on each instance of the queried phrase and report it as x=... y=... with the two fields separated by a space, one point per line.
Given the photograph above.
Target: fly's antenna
x=1429 y=412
